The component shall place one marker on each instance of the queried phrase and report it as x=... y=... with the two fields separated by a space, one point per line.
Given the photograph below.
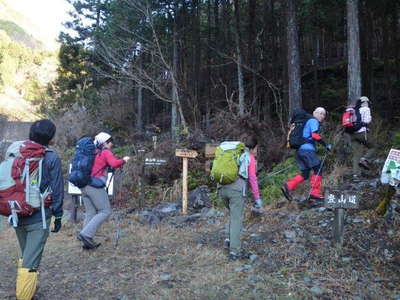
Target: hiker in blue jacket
x=307 y=158
x=30 y=233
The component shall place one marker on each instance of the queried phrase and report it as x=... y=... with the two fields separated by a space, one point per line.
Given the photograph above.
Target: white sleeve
x=366 y=115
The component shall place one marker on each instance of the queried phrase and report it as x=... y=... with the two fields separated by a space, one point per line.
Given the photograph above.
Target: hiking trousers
x=234 y=201
x=359 y=143
x=32 y=239
x=97 y=209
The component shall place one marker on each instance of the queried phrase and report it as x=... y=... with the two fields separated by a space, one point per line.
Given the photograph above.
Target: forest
x=184 y=63
x=164 y=77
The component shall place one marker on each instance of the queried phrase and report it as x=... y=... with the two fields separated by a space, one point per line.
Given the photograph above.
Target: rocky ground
x=161 y=254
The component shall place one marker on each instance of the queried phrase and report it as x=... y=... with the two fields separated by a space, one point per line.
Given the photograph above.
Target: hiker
x=234 y=193
x=30 y=233
x=361 y=140
x=307 y=158
x=94 y=195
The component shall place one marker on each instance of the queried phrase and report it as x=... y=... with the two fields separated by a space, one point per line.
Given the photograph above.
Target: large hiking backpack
x=20 y=179
x=295 y=135
x=82 y=162
x=351 y=120
x=225 y=168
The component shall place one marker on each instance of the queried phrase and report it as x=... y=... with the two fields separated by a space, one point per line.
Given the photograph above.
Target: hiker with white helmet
x=360 y=139
x=94 y=195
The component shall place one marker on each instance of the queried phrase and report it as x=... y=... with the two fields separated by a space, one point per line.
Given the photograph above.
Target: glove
x=259 y=203
x=329 y=147
x=57 y=224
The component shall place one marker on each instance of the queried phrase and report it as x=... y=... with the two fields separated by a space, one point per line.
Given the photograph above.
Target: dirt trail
x=294 y=259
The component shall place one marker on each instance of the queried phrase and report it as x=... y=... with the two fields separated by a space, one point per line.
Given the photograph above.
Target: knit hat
x=101 y=138
x=42 y=131
x=364 y=99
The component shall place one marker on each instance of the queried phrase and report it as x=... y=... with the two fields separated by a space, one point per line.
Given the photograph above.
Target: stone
x=244 y=268
x=290 y=235
x=165 y=276
x=357 y=220
x=253 y=257
x=199 y=197
x=149 y=218
x=316 y=290
x=346 y=259
x=166 y=207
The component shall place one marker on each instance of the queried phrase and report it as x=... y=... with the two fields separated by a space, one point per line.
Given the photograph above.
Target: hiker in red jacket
x=94 y=196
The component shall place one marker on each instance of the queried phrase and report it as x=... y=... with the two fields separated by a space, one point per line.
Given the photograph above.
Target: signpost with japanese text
x=339 y=201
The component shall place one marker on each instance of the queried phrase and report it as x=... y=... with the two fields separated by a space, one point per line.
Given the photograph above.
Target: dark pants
x=308 y=160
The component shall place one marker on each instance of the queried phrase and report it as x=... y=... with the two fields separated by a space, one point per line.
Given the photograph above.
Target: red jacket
x=103 y=160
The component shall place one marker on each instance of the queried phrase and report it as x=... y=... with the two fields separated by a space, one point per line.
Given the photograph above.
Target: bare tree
x=353 y=44
x=295 y=99
x=159 y=76
x=239 y=59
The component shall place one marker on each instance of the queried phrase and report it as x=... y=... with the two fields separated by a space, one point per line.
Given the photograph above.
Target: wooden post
x=185 y=185
x=74 y=211
x=339 y=201
x=185 y=154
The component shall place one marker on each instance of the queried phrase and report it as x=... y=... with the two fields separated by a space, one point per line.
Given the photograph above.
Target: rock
x=166 y=208
x=149 y=218
x=199 y=198
x=244 y=268
x=213 y=213
x=316 y=290
x=256 y=212
x=253 y=257
x=256 y=236
x=165 y=276
x=346 y=259
x=357 y=220
x=253 y=278
x=290 y=235
x=307 y=280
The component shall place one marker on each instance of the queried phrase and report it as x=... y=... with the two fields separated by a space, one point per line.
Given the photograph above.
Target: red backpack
x=351 y=120
x=20 y=179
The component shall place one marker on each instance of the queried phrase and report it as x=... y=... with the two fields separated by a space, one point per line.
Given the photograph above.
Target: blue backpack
x=82 y=162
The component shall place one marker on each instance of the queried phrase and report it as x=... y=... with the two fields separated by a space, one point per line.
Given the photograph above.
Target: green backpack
x=225 y=168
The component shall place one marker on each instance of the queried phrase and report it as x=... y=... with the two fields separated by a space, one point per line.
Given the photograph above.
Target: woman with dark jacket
x=94 y=196
x=30 y=231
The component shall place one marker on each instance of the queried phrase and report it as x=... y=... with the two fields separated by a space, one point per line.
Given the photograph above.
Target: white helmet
x=364 y=99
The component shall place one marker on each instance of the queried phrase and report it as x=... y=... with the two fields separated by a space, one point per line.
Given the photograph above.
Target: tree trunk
x=295 y=99
x=353 y=53
x=239 y=59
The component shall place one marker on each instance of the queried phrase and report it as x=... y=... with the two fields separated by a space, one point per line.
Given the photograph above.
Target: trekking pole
x=275 y=173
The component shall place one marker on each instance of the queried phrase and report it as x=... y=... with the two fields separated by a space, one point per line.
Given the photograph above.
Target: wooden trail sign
x=185 y=154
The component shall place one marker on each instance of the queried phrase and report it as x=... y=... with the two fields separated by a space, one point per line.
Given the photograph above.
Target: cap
x=101 y=138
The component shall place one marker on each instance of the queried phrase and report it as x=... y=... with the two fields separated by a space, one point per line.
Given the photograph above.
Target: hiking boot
x=88 y=242
x=286 y=192
x=238 y=255
x=364 y=163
